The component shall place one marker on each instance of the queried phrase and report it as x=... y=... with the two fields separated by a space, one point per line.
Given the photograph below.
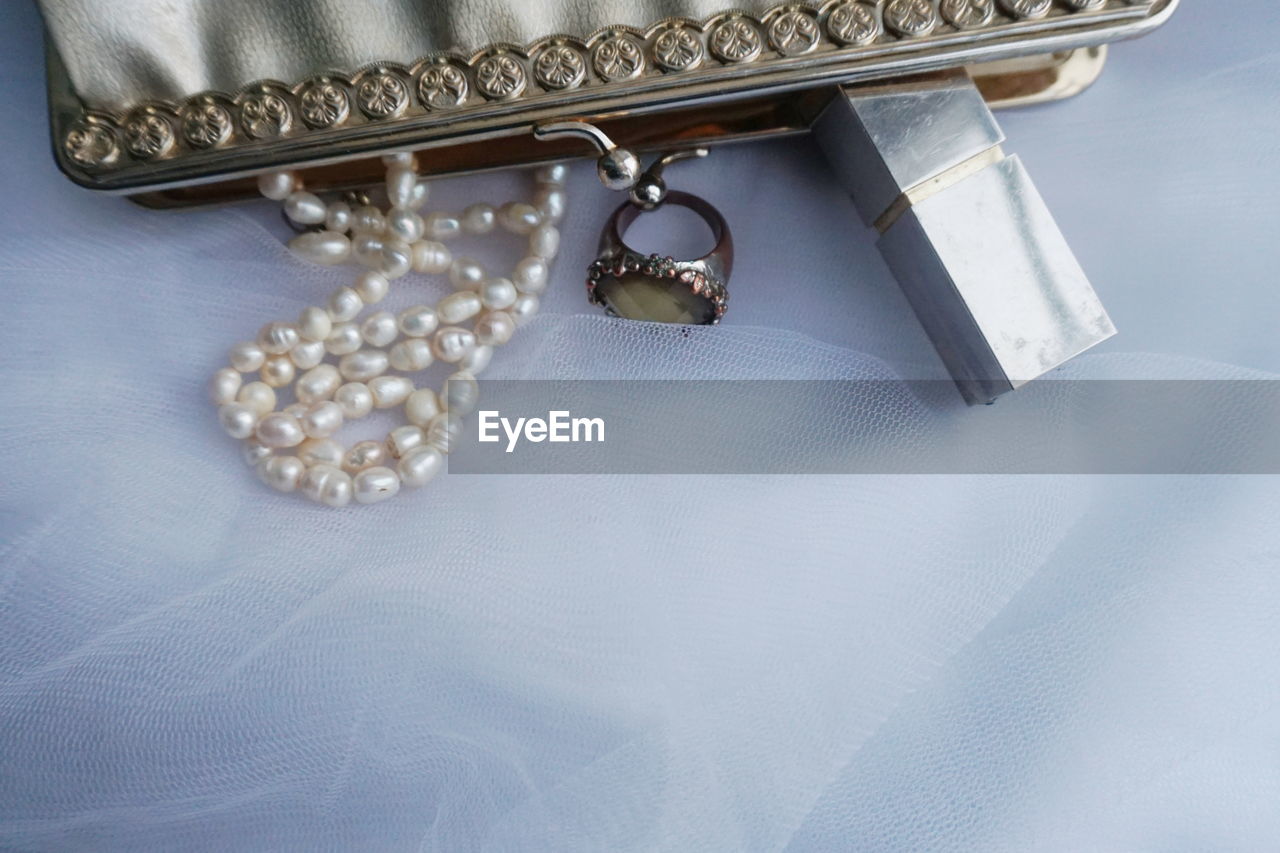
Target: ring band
x=662 y=289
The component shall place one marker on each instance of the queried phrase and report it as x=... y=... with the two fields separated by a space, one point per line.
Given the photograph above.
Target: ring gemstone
x=655 y=289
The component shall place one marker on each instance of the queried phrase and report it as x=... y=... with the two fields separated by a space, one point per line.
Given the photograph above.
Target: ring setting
x=636 y=286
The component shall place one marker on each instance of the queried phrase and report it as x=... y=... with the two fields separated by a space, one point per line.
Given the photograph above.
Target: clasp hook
x=618 y=168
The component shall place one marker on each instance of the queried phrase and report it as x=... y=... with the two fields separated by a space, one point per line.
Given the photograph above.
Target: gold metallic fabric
x=122 y=52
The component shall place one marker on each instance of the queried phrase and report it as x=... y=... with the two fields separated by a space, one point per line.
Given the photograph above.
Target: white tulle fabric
x=189 y=661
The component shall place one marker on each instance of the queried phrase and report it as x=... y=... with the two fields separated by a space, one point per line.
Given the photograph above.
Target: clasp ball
x=649 y=192
x=619 y=169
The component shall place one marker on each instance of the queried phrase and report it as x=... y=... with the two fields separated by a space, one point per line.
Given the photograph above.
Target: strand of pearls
x=345 y=359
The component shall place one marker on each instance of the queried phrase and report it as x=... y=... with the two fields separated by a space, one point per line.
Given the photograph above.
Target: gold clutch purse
x=157 y=98
x=187 y=102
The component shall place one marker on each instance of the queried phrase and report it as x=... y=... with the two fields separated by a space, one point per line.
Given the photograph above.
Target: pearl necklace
x=389 y=244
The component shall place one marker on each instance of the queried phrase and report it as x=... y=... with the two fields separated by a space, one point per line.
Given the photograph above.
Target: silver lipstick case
x=963 y=229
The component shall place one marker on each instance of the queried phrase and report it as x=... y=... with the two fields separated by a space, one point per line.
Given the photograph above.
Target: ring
x=659 y=289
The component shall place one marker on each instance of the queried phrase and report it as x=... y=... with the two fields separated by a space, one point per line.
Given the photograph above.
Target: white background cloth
x=190 y=661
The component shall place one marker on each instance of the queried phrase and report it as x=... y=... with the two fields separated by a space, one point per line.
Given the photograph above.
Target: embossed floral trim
x=613 y=57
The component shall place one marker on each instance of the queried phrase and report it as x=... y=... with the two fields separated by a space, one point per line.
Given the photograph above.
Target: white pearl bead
x=379 y=330
x=305 y=208
x=530 y=275
x=524 y=308
x=307 y=354
x=443 y=431
x=460 y=394
x=314 y=324
x=322 y=419
x=404 y=224
x=328 y=485
x=452 y=343
x=519 y=217
x=422 y=406
x=397 y=258
x=459 y=306
x=402 y=439
x=367 y=219
x=431 y=258
x=325 y=248
x=544 y=242
x=477 y=360
x=280 y=429
x=552 y=173
x=376 y=484
x=253 y=452
x=278 y=338
x=363 y=365
x=479 y=218
x=338 y=217
x=344 y=338
x=282 y=473
x=466 y=274
x=400 y=182
x=441 y=226
x=365 y=454
x=389 y=391
x=355 y=400
x=277 y=185
x=278 y=371
x=419 y=466
x=344 y=305
x=418 y=321
x=318 y=383
x=495 y=328
x=320 y=451
x=411 y=355
x=258 y=396
x=371 y=286
x=237 y=419
x=367 y=249
x=421 y=191
x=295 y=410
x=398 y=158
x=552 y=202
x=224 y=385
x=498 y=293
x=247 y=356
